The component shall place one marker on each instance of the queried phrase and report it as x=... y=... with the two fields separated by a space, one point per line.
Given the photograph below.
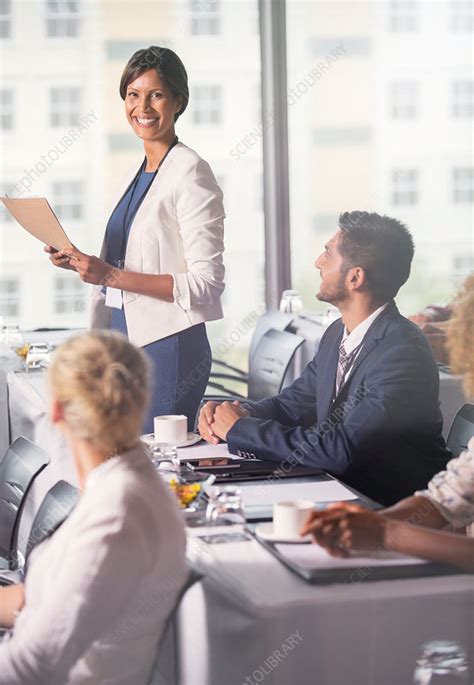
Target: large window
x=71 y=141
x=379 y=119
x=392 y=113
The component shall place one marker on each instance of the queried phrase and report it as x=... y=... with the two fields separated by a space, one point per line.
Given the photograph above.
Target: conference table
x=250 y=619
x=249 y=608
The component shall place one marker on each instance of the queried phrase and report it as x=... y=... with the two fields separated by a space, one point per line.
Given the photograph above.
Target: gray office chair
x=271 y=319
x=165 y=669
x=22 y=463
x=58 y=503
x=269 y=365
x=462 y=429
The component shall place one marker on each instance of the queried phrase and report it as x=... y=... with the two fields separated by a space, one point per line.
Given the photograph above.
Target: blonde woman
x=98 y=592
x=448 y=499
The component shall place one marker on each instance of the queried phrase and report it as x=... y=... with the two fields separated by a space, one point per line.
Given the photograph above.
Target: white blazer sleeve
x=200 y=215
x=95 y=585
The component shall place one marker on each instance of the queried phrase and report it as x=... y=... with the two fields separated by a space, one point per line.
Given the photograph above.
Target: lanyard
x=120 y=263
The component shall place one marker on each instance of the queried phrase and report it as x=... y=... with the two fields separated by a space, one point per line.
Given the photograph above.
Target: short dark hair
x=169 y=67
x=382 y=246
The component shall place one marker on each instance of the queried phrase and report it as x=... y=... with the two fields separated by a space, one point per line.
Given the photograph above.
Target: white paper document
x=37 y=217
x=315 y=557
x=205 y=451
x=268 y=494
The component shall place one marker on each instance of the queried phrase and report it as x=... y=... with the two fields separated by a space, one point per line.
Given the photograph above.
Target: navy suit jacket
x=381 y=435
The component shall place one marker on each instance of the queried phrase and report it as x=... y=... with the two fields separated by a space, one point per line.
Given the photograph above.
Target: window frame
x=65 y=20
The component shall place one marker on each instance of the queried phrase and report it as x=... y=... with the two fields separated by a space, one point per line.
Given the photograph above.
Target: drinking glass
x=291 y=302
x=12 y=337
x=441 y=662
x=225 y=506
x=164 y=455
x=330 y=315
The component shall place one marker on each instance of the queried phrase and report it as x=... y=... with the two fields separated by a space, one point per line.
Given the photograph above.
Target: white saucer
x=192 y=439
x=265 y=531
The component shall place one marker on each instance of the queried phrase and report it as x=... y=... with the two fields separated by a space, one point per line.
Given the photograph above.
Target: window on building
x=9 y=297
x=463 y=185
x=70 y=294
x=205 y=17
x=463 y=265
x=404 y=187
x=463 y=99
x=207 y=104
x=404 y=99
x=62 y=18
x=6 y=109
x=68 y=199
x=65 y=105
x=403 y=16
x=462 y=15
x=5 y=18
x=5 y=215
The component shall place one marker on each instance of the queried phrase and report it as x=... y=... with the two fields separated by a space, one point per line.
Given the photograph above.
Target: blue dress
x=181 y=362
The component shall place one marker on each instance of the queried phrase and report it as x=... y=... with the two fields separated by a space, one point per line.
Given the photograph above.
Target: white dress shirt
x=98 y=592
x=179 y=230
x=354 y=338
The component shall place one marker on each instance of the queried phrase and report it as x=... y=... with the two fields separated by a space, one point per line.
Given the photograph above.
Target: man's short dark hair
x=382 y=246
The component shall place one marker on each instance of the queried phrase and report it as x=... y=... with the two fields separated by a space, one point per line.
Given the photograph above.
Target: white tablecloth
x=25 y=412
x=248 y=607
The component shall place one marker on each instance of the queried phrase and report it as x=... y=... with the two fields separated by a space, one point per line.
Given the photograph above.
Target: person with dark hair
x=415 y=525
x=160 y=274
x=366 y=407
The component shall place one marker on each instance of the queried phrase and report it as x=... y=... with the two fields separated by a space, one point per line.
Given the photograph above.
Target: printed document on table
x=37 y=217
x=268 y=494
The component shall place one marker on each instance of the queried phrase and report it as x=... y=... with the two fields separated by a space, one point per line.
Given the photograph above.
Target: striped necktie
x=344 y=363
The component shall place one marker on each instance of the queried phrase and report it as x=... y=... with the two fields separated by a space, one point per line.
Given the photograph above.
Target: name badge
x=113 y=298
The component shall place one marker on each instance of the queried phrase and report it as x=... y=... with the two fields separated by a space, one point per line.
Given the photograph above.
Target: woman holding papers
x=161 y=274
x=413 y=526
x=98 y=592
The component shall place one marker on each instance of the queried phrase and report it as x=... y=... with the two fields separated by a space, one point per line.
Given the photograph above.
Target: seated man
x=366 y=408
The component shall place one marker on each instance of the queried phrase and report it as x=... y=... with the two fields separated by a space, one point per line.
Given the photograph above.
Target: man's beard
x=334 y=295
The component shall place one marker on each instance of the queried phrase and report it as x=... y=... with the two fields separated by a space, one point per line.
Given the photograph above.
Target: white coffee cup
x=288 y=517
x=171 y=429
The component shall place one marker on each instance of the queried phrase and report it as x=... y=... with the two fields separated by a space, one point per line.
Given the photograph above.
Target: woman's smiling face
x=151 y=107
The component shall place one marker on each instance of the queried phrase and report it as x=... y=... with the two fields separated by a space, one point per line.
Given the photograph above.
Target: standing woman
x=160 y=274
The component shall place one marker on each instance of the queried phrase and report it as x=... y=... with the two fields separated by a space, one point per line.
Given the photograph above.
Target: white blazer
x=178 y=230
x=99 y=591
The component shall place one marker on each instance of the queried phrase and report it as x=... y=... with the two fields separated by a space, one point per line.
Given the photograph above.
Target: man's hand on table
x=216 y=420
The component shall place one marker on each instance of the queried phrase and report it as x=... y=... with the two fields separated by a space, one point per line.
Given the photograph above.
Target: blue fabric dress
x=181 y=362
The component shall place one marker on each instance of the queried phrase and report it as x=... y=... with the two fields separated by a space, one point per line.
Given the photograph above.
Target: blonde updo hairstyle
x=461 y=335
x=101 y=382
